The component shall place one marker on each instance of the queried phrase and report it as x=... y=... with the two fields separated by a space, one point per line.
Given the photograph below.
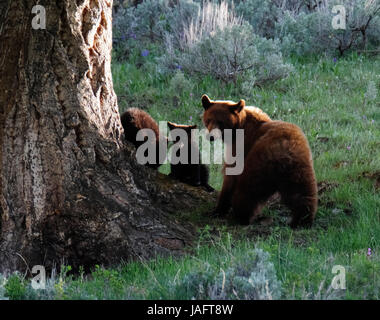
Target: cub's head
x=187 y=129
x=221 y=114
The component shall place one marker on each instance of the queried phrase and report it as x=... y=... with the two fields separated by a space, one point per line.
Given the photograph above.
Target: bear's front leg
x=224 y=200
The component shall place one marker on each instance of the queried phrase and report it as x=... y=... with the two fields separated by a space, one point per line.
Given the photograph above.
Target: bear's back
x=283 y=143
x=135 y=119
x=257 y=114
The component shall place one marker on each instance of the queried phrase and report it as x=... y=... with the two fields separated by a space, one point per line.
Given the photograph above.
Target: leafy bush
x=251 y=277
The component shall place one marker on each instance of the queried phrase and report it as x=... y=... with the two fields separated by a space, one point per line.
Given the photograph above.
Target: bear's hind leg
x=247 y=204
x=253 y=188
x=303 y=207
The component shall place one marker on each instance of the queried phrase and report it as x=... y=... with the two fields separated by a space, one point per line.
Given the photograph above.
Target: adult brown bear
x=277 y=158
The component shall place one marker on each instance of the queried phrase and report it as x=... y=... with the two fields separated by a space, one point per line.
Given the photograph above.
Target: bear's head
x=187 y=129
x=221 y=115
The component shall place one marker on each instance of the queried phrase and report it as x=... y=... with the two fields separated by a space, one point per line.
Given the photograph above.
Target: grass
x=328 y=101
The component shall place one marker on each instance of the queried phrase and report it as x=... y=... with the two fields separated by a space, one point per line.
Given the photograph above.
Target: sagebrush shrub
x=213 y=17
x=219 y=43
x=179 y=84
x=179 y=18
x=303 y=27
x=54 y=286
x=371 y=93
x=134 y=27
x=204 y=21
x=250 y=276
x=253 y=278
x=234 y=54
x=197 y=285
x=373 y=33
x=147 y=21
x=306 y=33
x=152 y=21
x=261 y=14
x=2 y=287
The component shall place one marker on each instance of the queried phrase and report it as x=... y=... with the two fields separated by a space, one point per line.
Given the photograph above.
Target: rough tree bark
x=70 y=188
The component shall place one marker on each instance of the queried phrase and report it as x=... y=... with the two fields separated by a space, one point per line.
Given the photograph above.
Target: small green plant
x=15 y=288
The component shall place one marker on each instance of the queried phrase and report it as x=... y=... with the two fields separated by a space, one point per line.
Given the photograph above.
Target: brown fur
x=277 y=158
x=134 y=119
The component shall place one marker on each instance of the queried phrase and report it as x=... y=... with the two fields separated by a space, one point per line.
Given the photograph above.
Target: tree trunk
x=71 y=190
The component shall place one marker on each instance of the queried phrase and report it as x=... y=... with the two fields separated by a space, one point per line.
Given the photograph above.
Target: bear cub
x=277 y=158
x=135 y=119
x=193 y=174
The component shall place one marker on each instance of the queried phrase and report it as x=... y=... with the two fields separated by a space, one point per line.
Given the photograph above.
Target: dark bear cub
x=135 y=119
x=193 y=174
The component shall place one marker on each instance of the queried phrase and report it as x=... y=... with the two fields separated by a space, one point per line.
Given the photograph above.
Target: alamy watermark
x=339 y=20
x=339 y=281
x=39 y=20
x=39 y=280
x=229 y=143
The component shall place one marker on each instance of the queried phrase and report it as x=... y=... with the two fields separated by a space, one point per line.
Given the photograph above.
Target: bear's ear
x=206 y=102
x=239 y=106
x=171 y=125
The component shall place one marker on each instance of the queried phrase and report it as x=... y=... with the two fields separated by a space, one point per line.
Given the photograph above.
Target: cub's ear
x=239 y=106
x=206 y=102
x=171 y=125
